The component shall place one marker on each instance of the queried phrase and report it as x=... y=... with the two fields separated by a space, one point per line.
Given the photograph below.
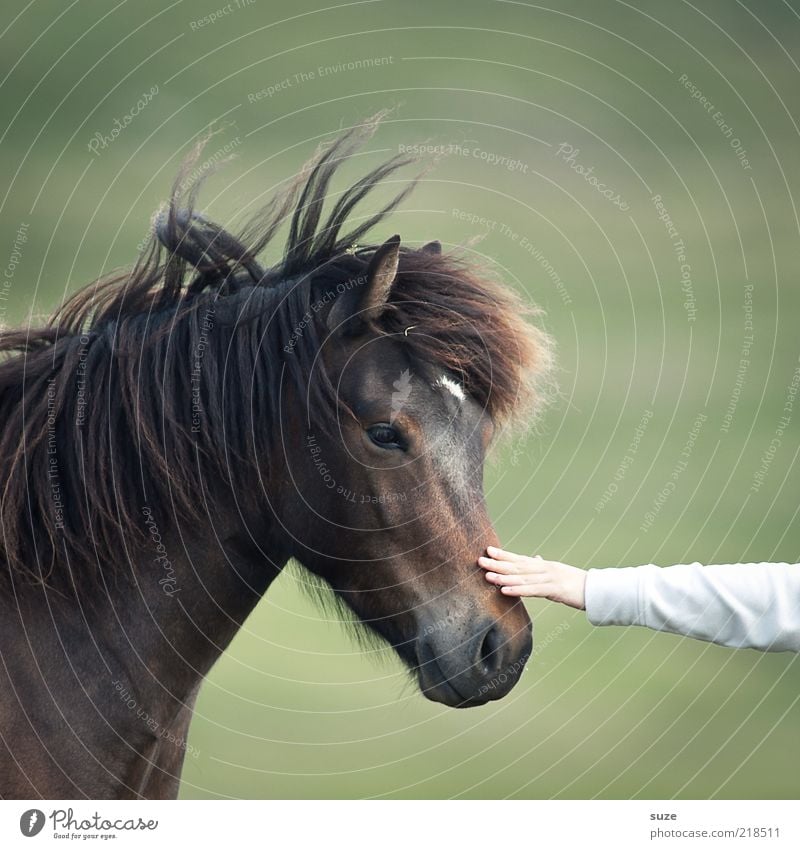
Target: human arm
x=753 y=605
x=741 y=605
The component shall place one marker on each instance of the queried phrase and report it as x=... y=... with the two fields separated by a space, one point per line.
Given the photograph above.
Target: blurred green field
x=295 y=708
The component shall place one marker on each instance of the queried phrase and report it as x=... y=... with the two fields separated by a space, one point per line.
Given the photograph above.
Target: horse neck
x=193 y=590
x=133 y=655
x=178 y=595
x=161 y=621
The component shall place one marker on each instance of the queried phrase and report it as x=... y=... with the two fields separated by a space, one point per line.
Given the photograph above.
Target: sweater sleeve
x=743 y=605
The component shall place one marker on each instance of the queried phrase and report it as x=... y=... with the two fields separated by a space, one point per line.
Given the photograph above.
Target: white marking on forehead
x=451 y=386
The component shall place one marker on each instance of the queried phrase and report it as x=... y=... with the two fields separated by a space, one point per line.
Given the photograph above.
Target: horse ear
x=434 y=247
x=368 y=300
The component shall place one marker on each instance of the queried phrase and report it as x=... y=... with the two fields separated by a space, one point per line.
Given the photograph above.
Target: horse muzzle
x=473 y=664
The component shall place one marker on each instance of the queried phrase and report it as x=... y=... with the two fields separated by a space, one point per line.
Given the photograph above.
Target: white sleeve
x=742 y=605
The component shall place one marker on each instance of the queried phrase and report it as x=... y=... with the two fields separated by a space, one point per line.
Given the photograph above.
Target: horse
x=176 y=433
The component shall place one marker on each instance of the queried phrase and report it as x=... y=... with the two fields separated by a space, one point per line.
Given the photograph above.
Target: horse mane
x=145 y=384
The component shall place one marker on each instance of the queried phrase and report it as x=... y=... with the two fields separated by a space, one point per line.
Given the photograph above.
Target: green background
x=295 y=708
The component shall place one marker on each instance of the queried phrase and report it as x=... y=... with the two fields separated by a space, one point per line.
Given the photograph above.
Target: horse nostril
x=490 y=651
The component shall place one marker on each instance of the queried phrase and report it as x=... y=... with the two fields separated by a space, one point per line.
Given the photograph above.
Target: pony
x=178 y=432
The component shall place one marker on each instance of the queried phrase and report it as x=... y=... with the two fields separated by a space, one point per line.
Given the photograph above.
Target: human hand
x=518 y=575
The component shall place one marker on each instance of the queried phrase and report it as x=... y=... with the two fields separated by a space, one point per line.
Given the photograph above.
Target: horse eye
x=384 y=436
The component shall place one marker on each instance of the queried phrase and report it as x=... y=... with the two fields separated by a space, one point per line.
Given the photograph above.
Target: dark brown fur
x=100 y=428
x=130 y=338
